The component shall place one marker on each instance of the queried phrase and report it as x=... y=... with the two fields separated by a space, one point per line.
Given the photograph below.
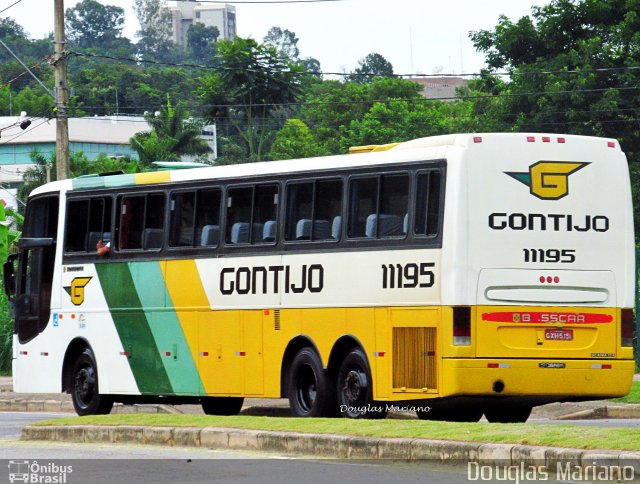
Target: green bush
x=6 y=334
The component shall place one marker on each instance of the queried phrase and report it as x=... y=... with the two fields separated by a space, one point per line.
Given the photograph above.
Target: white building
x=187 y=13
x=93 y=136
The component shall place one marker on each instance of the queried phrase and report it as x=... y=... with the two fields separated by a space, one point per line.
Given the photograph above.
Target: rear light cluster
x=627 y=328
x=545 y=139
x=461 y=326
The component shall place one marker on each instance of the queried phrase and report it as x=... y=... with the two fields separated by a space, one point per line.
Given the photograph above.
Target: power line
x=15 y=3
x=26 y=71
x=266 y=1
x=383 y=101
x=365 y=74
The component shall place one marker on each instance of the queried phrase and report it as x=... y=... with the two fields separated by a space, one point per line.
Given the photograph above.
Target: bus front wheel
x=355 y=392
x=84 y=387
x=309 y=389
x=222 y=405
x=507 y=414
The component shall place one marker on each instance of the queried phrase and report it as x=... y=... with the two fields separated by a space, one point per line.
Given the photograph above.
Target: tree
x=284 y=41
x=252 y=82
x=573 y=71
x=155 y=27
x=330 y=107
x=202 y=42
x=91 y=24
x=172 y=136
x=399 y=120
x=373 y=65
x=295 y=140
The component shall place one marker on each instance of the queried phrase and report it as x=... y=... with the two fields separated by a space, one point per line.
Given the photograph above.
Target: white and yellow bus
x=461 y=275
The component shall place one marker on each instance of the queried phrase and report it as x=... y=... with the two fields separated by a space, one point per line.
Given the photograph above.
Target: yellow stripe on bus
x=152 y=177
x=190 y=303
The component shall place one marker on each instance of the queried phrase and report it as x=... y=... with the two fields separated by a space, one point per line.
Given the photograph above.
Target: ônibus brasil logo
x=548 y=180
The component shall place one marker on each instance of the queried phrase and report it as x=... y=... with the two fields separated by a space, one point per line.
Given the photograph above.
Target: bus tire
x=222 y=405
x=501 y=414
x=460 y=414
x=84 y=387
x=309 y=389
x=355 y=392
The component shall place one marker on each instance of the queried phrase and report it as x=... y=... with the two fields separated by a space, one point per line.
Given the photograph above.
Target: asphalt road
x=11 y=423
x=97 y=464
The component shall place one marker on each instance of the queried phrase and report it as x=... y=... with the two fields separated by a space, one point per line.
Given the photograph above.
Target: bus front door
x=32 y=300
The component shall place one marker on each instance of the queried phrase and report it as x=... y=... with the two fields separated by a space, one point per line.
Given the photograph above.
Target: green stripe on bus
x=165 y=327
x=133 y=328
x=95 y=181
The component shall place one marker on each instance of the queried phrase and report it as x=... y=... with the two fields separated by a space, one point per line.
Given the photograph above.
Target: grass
x=551 y=435
x=634 y=394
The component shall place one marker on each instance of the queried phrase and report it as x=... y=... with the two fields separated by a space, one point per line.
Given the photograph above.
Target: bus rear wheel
x=309 y=389
x=222 y=405
x=507 y=414
x=84 y=387
x=355 y=392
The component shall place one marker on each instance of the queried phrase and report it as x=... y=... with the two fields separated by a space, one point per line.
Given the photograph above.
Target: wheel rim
x=355 y=388
x=84 y=388
x=306 y=388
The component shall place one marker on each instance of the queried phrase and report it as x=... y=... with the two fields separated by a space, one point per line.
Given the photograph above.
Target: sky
x=416 y=36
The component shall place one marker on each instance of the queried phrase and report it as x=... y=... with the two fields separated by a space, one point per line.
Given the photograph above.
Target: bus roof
x=433 y=147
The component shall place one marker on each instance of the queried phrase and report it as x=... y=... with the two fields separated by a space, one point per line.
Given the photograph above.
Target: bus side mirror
x=9 y=276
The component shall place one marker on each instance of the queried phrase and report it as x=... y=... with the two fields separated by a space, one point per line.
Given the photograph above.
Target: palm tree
x=172 y=135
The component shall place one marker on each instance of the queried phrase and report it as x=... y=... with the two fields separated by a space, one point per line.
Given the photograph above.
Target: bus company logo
x=76 y=289
x=27 y=471
x=548 y=180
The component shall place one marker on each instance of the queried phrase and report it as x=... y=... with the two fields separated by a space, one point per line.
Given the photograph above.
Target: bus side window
x=427 y=211
x=312 y=208
x=181 y=227
x=195 y=218
x=378 y=206
x=363 y=202
x=265 y=214
x=299 y=211
x=207 y=224
x=87 y=222
x=252 y=215
x=76 y=227
x=141 y=222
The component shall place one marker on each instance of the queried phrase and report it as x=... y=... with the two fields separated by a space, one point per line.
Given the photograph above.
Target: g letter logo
x=76 y=290
x=548 y=180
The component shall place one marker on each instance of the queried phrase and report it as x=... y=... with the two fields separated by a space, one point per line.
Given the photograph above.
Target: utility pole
x=61 y=93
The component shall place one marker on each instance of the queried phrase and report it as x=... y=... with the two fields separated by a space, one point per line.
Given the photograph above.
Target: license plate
x=558 y=334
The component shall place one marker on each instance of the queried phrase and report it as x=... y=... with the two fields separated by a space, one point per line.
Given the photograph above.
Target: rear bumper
x=578 y=379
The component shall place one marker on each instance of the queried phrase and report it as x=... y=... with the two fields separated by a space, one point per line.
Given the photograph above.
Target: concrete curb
x=615 y=412
x=340 y=446
x=18 y=405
